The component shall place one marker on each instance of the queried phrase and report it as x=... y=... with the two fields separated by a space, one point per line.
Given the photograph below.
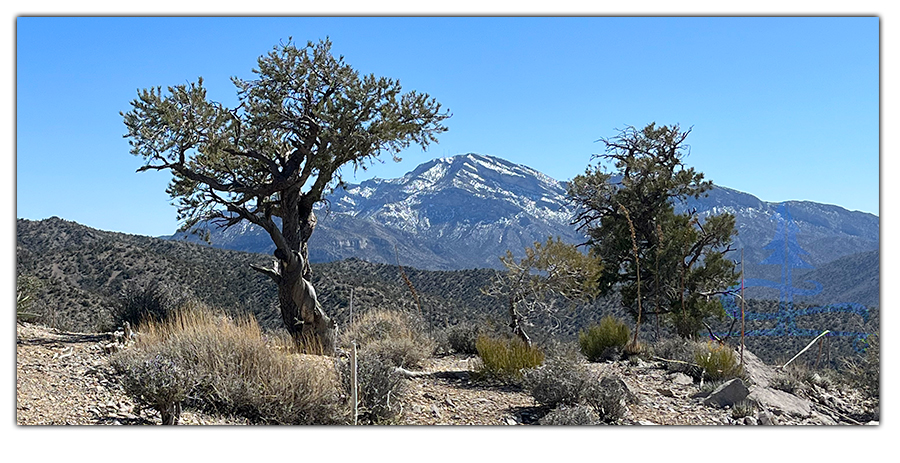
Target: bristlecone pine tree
x=651 y=254
x=304 y=116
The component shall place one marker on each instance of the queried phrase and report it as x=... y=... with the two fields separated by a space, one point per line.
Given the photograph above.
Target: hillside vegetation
x=81 y=274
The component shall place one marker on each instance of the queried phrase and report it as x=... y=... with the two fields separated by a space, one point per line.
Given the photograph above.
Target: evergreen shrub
x=605 y=341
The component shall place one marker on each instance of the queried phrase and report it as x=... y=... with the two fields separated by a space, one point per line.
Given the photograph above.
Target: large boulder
x=728 y=394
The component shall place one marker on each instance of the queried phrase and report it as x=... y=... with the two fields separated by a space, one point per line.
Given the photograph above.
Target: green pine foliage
x=653 y=257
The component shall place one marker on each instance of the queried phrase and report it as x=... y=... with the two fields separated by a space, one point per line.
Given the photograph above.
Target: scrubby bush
x=718 y=362
x=236 y=372
x=792 y=379
x=578 y=415
x=157 y=381
x=398 y=337
x=604 y=341
x=380 y=387
x=865 y=374
x=139 y=303
x=505 y=359
x=560 y=381
x=681 y=353
x=608 y=398
x=462 y=338
x=566 y=385
x=743 y=409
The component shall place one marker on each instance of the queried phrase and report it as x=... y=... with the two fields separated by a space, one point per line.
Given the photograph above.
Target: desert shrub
x=792 y=379
x=462 y=338
x=604 y=341
x=559 y=381
x=156 y=380
x=380 y=387
x=395 y=336
x=676 y=348
x=578 y=415
x=718 y=362
x=238 y=373
x=607 y=398
x=865 y=374
x=505 y=359
x=138 y=303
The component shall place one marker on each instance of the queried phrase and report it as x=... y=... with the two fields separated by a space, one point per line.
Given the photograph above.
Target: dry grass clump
x=234 y=371
x=505 y=359
x=397 y=337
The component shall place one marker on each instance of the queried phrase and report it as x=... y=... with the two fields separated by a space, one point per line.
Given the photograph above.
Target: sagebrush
x=380 y=387
x=399 y=337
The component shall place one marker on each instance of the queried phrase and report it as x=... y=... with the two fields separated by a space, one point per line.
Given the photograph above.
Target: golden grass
x=244 y=371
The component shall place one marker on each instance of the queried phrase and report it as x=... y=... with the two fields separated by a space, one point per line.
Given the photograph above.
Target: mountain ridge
x=467 y=210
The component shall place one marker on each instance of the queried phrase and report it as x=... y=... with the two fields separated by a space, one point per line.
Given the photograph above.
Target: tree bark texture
x=311 y=329
x=516 y=324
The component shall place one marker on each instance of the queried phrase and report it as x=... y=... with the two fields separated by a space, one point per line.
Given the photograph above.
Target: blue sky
x=782 y=108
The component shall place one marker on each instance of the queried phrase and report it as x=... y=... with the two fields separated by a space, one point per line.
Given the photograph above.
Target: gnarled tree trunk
x=311 y=328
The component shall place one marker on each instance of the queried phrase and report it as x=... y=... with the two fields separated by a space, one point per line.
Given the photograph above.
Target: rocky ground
x=64 y=378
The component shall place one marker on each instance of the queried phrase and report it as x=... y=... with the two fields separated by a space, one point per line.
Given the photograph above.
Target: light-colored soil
x=64 y=378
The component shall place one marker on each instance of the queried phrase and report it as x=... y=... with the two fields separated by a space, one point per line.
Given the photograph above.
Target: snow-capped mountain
x=449 y=213
x=466 y=211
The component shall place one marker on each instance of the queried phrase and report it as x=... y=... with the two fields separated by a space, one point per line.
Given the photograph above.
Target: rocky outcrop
x=728 y=394
x=780 y=402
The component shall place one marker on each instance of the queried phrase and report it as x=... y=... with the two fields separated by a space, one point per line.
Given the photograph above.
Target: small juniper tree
x=650 y=253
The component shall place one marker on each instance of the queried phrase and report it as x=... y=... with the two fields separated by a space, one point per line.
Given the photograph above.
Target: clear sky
x=782 y=108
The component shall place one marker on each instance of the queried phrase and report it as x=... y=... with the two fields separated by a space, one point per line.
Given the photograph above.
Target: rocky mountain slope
x=447 y=214
x=81 y=273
